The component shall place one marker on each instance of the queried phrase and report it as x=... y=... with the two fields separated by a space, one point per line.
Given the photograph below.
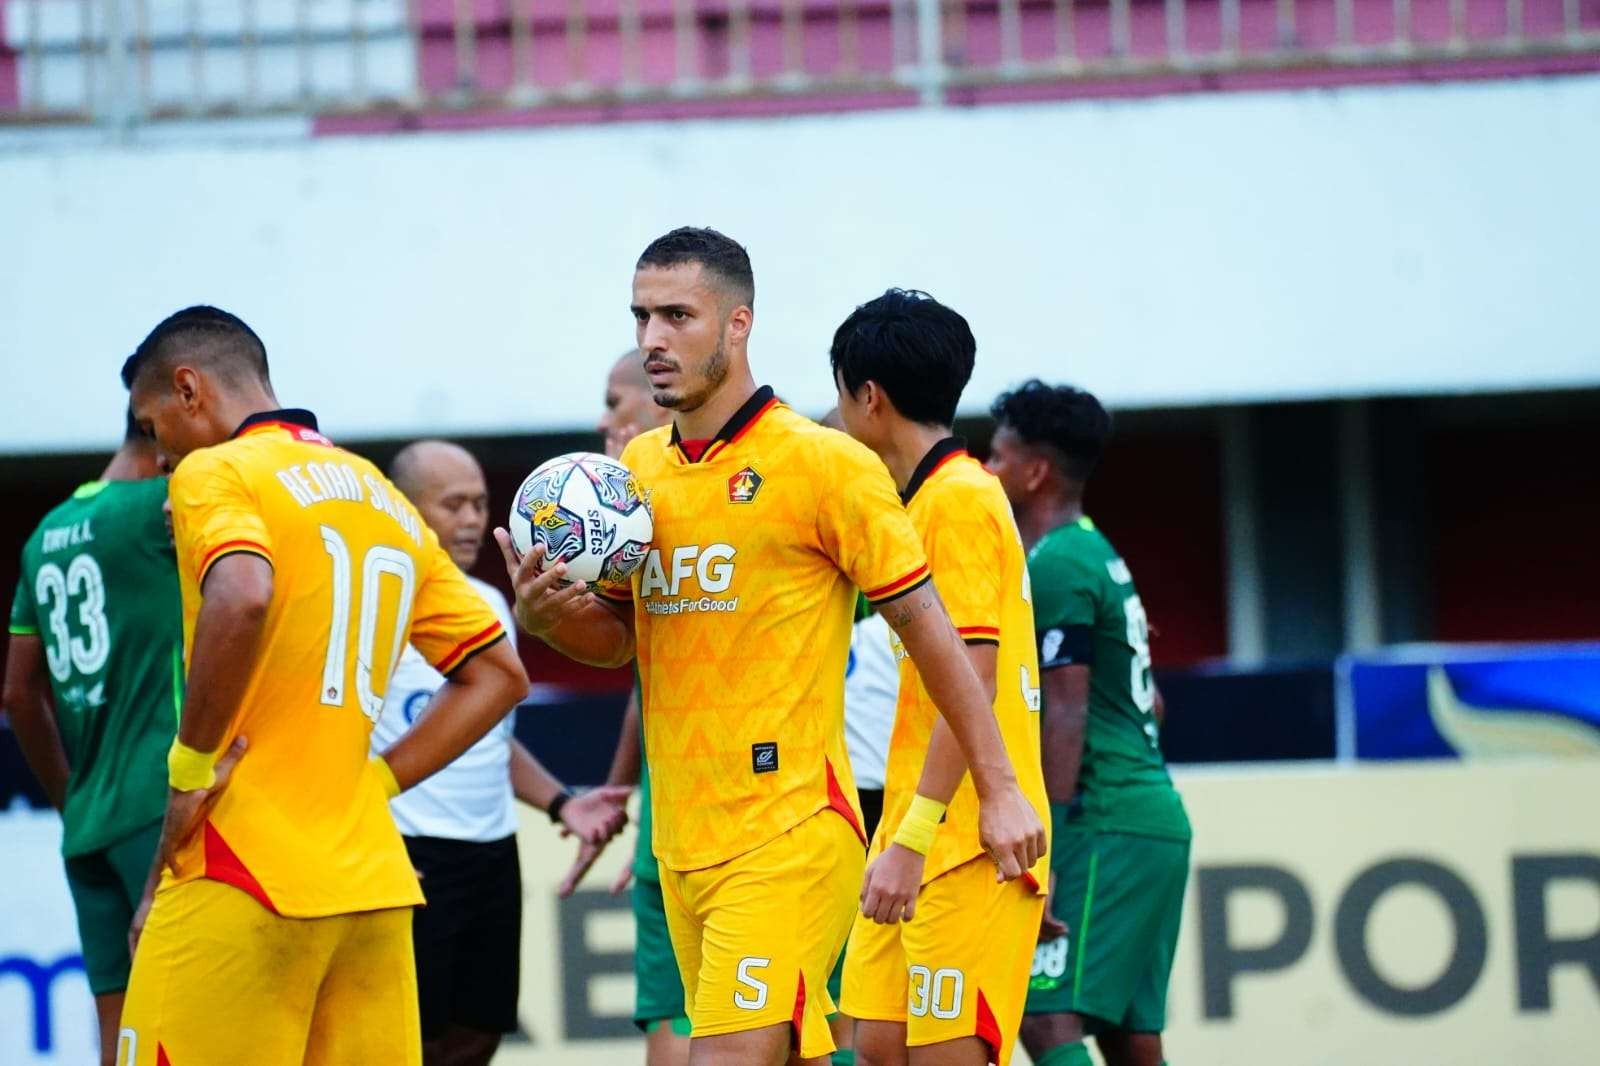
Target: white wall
x=1171 y=251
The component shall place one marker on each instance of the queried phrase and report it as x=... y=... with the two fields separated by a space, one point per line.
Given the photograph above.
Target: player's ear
x=186 y=383
x=1038 y=472
x=873 y=398
x=740 y=322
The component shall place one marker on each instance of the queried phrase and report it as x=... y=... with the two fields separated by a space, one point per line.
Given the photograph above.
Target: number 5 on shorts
x=754 y=984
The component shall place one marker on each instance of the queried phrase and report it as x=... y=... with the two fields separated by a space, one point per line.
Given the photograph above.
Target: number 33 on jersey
x=304 y=827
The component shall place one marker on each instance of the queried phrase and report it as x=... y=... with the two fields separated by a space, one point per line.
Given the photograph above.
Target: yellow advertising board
x=1441 y=914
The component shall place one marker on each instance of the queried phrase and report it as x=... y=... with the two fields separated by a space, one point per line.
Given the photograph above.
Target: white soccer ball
x=589 y=512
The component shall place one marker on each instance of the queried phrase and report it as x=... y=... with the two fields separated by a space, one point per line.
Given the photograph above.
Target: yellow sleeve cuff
x=919 y=825
x=391 y=786
x=189 y=770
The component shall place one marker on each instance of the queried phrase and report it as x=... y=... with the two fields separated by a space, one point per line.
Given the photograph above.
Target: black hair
x=717 y=254
x=203 y=333
x=918 y=350
x=1067 y=420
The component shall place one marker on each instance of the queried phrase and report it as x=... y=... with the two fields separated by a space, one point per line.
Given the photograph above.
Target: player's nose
x=652 y=337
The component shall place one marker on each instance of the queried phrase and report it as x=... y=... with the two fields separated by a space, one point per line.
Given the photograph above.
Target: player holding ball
x=765 y=524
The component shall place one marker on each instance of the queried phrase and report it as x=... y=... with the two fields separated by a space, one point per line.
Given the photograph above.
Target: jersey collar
x=937 y=456
x=297 y=420
x=760 y=402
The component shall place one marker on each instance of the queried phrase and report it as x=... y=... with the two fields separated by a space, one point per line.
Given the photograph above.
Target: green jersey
x=99 y=587
x=1088 y=613
x=644 y=854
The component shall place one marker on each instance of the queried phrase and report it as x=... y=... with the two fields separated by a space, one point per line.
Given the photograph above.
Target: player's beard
x=712 y=374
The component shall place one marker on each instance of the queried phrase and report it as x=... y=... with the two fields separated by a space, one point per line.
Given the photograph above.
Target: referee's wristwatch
x=554 y=810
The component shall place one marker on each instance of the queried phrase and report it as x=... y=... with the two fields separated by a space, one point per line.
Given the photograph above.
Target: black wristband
x=554 y=810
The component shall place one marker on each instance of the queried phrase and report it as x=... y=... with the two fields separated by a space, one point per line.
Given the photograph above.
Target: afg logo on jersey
x=667 y=583
x=743 y=486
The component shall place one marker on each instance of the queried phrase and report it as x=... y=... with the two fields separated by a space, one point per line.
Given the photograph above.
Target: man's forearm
x=478 y=695
x=530 y=781
x=625 y=762
x=592 y=633
x=1061 y=738
x=41 y=746
x=944 y=765
x=1061 y=731
x=227 y=638
x=920 y=621
x=32 y=714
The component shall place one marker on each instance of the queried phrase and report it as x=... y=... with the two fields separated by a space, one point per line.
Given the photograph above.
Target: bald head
x=629 y=370
x=630 y=406
x=446 y=485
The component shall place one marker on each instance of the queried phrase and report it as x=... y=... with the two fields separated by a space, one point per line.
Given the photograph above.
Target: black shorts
x=871 y=808
x=468 y=936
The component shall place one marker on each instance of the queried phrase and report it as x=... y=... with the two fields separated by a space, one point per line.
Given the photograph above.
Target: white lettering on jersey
x=709 y=567
x=68 y=536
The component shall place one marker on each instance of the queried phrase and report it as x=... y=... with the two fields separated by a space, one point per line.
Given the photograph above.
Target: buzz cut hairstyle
x=717 y=254
x=1067 y=421
x=919 y=351
x=206 y=335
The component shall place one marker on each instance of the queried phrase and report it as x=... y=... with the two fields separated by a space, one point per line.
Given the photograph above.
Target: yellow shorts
x=959 y=968
x=757 y=936
x=218 y=978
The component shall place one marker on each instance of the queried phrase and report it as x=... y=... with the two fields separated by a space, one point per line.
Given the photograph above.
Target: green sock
x=844 y=1057
x=1074 y=1054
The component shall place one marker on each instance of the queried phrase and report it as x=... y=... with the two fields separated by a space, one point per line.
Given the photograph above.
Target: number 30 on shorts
x=935 y=991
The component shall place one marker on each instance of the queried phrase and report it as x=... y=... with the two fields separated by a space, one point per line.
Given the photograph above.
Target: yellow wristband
x=189 y=770
x=919 y=824
x=391 y=786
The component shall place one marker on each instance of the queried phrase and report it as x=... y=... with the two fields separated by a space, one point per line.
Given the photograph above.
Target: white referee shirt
x=471 y=798
x=871 y=688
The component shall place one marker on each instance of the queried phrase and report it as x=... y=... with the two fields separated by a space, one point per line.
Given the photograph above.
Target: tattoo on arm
x=901 y=612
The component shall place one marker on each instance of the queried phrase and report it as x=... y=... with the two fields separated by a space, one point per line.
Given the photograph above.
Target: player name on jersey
x=313 y=483
x=67 y=537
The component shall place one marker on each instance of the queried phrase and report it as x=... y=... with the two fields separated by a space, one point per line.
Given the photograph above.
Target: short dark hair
x=1067 y=420
x=717 y=254
x=204 y=333
x=918 y=350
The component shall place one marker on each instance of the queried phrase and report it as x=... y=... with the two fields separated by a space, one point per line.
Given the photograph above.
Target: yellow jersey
x=980 y=569
x=304 y=825
x=743 y=611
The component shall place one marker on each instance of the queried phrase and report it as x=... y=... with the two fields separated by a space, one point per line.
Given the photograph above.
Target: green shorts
x=657 y=985
x=1121 y=897
x=106 y=886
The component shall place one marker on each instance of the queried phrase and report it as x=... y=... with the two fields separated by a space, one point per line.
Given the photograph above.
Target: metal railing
x=128 y=61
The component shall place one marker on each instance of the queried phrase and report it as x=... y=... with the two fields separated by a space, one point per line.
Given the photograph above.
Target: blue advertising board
x=1469 y=701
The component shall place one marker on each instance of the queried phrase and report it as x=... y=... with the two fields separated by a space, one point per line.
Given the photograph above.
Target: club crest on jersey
x=743 y=486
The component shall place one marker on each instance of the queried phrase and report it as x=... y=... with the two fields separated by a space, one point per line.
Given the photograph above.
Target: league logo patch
x=743 y=486
x=764 y=757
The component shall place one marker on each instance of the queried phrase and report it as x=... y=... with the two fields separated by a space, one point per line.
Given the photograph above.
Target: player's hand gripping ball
x=589 y=512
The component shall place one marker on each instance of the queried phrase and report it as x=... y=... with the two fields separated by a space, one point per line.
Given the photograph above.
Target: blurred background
x=1332 y=263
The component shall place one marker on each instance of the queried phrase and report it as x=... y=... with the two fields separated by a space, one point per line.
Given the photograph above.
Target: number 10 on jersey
x=380 y=561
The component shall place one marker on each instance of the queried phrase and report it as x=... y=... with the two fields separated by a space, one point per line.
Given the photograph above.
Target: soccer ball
x=589 y=512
